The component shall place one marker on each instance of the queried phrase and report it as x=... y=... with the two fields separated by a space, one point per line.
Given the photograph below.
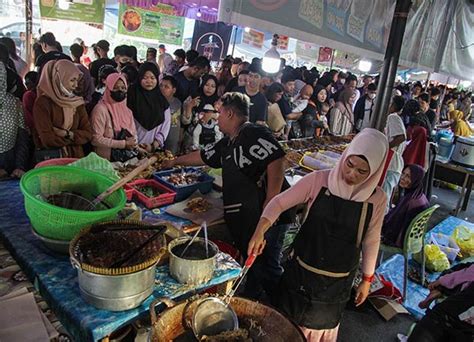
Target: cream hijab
x=371 y=144
x=53 y=77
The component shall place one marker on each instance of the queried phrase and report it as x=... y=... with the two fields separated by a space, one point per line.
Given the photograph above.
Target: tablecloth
x=392 y=268
x=57 y=282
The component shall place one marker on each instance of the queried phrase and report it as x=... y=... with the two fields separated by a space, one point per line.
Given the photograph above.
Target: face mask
x=65 y=91
x=343 y=80
x=118 y=96
x=371 y=96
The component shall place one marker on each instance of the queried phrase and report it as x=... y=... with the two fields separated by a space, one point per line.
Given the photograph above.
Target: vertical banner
x=88 y=11
x=211 y=40
x=325 y=55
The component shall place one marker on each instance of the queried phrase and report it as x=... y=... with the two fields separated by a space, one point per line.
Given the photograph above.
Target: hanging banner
x=150 y=23
x=325 y=55
x=306 y=50
x=211 y=40
x=87 y=11
x=253 y=38
x=283 y=42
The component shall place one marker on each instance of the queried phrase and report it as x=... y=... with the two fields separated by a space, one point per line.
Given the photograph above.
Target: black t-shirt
x=50 y=56
x=284 y=105
x=233 y=83
x=185 y=87
x=431 y=115
x=259 y=107
x=95 y=66
x=253 y=149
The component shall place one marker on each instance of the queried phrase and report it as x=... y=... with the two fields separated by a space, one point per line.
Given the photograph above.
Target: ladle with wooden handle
x=143 y=165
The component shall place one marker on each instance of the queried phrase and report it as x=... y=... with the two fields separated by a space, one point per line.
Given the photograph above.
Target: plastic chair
x=414 y=242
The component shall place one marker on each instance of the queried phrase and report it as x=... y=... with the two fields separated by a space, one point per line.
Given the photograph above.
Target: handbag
x=48 y=153
x=121 y=154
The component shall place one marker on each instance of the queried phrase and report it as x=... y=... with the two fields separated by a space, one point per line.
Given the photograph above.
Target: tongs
x=248 y=263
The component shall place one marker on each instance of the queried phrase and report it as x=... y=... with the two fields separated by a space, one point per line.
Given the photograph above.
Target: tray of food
x=321 y=160
x=152 y=193
x=124 y=168
x=185 y=181
x=198 y=208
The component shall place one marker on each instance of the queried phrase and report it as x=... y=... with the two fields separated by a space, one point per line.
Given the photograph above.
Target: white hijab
x=371 y=144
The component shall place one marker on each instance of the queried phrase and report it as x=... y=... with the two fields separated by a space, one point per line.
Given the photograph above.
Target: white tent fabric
x=436 y=36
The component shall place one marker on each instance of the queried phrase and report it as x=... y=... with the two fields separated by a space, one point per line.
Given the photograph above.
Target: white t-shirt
x=367 y=114
x=393 y=128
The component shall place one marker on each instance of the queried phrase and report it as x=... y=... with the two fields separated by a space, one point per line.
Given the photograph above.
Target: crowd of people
x=232 y=118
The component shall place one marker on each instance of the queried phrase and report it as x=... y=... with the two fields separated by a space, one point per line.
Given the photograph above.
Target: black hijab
x=207 y=99
x=148 y=106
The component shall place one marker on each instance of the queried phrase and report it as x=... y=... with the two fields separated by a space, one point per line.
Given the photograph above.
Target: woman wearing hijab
x=62 y=126
x=14 y=142
x=417 y=148
x=344 y=219
x=342 y=118
x=110 y=116
x=411 y=204
x=150 y=108
x=460 y=127
x=207 y=95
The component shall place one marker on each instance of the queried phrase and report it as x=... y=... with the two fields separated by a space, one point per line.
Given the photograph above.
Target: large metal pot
x=192 y=272
x=264 y=323
x=463 y=153
x=116 y=292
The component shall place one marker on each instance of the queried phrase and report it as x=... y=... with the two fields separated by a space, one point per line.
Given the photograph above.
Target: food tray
x=317 y=164
x=204 y=183
x=129 y=191
x=153 y=202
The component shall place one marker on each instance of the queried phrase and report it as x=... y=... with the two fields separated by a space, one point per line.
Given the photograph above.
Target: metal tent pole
x=389 y=69
x=29 y=31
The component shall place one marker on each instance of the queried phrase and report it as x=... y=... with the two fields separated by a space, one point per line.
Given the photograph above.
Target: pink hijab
x=371 y=144
x=54 y=75
x=121 y=114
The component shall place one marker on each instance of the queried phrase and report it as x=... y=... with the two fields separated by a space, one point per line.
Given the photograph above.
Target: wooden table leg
x=461 y=196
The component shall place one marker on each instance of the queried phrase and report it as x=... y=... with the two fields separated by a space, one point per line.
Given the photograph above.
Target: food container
x=446 y=244
x=196 y=271
x=121 y=287
x=129 y=192
x=263 y=323
x=167 y=195
x=463 y=153
x=204 y=183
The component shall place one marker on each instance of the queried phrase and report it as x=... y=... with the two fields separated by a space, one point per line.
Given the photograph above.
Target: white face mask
x=371 y=96
x=65 y=91
x=343 y=80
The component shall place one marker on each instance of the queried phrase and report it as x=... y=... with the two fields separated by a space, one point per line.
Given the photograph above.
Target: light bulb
x=247 y=29
x=365 y=66
x=199 y=14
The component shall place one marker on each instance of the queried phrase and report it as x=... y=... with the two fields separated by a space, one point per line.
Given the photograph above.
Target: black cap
x=161 y=46
x=103 y=44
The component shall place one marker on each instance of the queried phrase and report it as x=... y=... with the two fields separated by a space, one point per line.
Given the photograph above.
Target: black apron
x=317 y=282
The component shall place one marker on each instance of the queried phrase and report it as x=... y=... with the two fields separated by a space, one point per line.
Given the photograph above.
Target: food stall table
x=56 y=280
x=456 y=174
x=392 y=268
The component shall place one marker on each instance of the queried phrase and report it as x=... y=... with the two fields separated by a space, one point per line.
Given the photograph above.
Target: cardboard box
x=387 y=308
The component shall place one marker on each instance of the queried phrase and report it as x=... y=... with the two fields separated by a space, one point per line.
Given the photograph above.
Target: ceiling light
x=365 y=66
x=199 y=14
x=247 y=29
x=271 y=59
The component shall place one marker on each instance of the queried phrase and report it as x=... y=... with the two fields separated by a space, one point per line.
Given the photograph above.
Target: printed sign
x=325 y=55
x=211 y=40
x=283 y=42
x=313 y=12
x=306 y=50
x=88 y=11
x=253 y=38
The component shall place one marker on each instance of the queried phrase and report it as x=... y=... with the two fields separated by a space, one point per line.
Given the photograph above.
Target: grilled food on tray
x=182 y=178
x=198 y=205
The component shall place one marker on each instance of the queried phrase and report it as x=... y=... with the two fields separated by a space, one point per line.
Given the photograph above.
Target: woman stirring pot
x=344 y=218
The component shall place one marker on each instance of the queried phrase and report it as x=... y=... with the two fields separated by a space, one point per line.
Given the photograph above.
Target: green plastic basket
x=60 y=223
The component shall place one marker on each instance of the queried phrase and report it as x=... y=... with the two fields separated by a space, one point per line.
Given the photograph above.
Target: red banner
x=325 y=55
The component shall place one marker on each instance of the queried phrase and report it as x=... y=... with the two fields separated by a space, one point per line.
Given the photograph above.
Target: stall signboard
x=306 y=50
x=325 y=55
x=211 y=40
x=88 y=11
x=283 y=42
x=150 y=23
x=254 y=38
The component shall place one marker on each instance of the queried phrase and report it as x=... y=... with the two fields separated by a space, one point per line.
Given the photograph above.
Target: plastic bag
x=464 y=237
x=436 y=260
x=97 y=164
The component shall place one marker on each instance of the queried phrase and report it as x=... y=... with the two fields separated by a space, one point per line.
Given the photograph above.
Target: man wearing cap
x=164 y=59
x=151 y=57
x=101 y=50
x=259 y=107
x=252 y=163
x=49 y=46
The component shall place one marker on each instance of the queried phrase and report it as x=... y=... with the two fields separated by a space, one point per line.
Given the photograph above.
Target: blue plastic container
x=445 y=147
x=204 y=184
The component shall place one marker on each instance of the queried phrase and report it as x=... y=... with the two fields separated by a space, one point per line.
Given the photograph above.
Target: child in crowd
x=322 y=116
x=168 y=87
x=206 y=131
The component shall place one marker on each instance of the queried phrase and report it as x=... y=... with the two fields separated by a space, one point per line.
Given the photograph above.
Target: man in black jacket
x=364 y=108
